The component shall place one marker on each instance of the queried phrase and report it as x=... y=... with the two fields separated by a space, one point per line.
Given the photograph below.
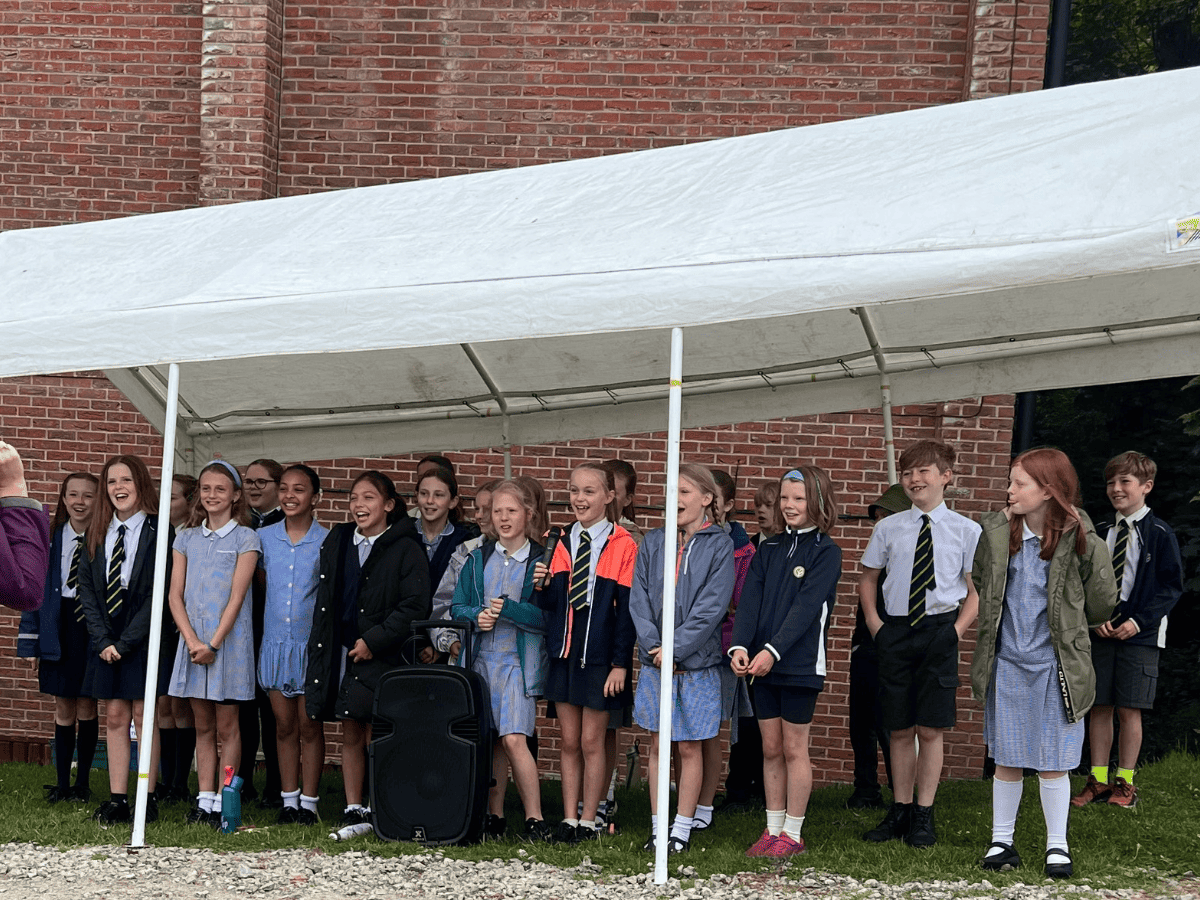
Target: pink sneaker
x=784 y=847
x=762 y=847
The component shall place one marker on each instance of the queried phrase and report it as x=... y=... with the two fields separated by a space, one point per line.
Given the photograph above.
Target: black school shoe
x=895 y=825
x=538 y=830
x=1007 y=858
x=1059 y=870
x=494 y=827
x=566 y=833
x=112 y=812
x=921 y=832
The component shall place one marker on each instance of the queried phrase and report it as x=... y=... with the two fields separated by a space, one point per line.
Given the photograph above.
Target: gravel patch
x=29 y=872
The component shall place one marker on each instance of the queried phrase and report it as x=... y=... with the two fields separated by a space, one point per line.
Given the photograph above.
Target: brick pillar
x=1007 y=49
x=241 y=66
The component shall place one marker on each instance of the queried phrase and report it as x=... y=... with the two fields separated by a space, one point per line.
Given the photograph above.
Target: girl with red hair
x=1044 y=578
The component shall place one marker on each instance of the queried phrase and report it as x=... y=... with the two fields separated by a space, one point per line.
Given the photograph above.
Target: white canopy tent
x=1033 y=241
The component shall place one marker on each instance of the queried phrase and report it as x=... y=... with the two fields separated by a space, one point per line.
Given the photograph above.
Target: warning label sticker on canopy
x=1185 y=233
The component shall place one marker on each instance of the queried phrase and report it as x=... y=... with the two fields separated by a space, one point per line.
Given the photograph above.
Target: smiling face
x=296 y=496
x=122 y=491
x=1127 y=494
x=369 y=508
x=1025 y=495
x=510 y=518
x=179 y=504
x=79 y=497
x=483 y=513
x=793 y=503
x=693 y=505
x=926 y=485
x=434 y=500
x=262 y=493
x=217 y=496
x=590 y=496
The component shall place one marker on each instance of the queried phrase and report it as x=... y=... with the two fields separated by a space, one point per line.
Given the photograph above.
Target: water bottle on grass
x=231 y=802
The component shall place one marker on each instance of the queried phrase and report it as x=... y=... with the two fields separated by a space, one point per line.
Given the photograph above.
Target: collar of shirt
x=132 y=524
x=519 y=555
x=935 y=515
x=1027 y=533
x=805 y=530
x=1135 y=518
x=313 y=533
x=449 y=529
x=360 y=538
x=219 y=532
x=600 y=529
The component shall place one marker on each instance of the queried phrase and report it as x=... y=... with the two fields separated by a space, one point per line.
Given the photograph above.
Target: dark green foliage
x=1117 y=38
x=1093 y=424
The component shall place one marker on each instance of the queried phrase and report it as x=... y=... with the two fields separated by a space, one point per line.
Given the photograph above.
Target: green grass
x=1144 y=848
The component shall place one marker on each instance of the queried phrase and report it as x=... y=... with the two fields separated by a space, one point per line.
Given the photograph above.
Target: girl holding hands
x=779 y=639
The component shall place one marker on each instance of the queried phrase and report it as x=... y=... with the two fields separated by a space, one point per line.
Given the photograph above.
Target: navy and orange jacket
x=606 y=624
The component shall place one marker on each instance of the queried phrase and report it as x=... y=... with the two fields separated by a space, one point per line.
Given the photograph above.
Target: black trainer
x=494 y=826
x=289 y=815
x=307 y=817
x=921 y=832
x=566 y=833
x=538 y=830
x=895 y=824
x=112 y=812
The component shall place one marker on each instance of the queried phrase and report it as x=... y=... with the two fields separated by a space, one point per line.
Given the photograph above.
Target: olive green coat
x=1081 y=594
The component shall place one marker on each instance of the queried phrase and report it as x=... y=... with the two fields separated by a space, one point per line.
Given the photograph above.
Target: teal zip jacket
x=523 y=612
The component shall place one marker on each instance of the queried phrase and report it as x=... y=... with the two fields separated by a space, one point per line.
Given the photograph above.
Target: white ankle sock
x=205 y=799
x=309 y=803
x=775 y=820
x=291 y=799
x=1056 y=804
x=1006 y=800
x=681 y=828
x=703 y=815
x=792 y=826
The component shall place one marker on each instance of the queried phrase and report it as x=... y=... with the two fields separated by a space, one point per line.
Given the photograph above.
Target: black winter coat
x=393 y=593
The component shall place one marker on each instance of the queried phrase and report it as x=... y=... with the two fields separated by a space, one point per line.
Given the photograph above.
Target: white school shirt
x=365 y=545
x=599 y=534
x=133 y=531
x=1133 y=553
x=893 y=546
x=69 y=538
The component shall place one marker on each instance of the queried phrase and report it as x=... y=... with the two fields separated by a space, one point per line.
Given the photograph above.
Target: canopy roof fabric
x=1032 y=241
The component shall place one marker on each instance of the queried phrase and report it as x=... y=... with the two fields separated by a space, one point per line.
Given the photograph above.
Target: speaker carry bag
x=430 y=755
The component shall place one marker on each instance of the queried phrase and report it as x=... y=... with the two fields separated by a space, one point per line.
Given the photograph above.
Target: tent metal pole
x=146 y=744
x=666 y=681
x=885 y=389
x=498 y=396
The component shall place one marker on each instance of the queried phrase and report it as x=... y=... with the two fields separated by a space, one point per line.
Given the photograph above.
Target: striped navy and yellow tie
x=114 y=592
x=922 y=573
x=1120 y=551
x=577 y=594
x=73 y=576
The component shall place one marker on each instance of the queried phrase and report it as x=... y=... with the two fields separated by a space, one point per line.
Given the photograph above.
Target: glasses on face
x=257 y=483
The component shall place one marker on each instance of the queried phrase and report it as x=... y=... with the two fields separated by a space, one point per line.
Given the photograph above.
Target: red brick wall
x=66 y=423
x=99 y=111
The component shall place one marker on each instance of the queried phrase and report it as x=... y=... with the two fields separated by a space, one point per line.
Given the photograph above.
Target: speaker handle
x=465 y=626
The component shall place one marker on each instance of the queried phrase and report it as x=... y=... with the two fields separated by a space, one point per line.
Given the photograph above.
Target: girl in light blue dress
x=214 y=562
x=291 y=552
x=495 y=590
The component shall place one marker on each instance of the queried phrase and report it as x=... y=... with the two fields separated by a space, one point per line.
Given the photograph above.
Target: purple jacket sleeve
x=24 y=556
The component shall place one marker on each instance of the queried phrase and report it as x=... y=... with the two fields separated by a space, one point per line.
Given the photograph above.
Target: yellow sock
x=1127 y=774
x=1100 y=773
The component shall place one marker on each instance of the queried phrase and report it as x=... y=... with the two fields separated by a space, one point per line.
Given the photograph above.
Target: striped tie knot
x=922 y=572
x=1121 y=551
x=114 y=593
x=577 y=593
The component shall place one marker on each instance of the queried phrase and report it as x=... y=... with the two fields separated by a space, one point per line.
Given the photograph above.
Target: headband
x=237 y=479
x=797 y=475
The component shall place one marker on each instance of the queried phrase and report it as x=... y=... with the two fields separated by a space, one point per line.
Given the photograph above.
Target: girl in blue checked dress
x=495 y=590
x=291 y=553
x=214 y=562
x=704 y=572
x=1044 y=578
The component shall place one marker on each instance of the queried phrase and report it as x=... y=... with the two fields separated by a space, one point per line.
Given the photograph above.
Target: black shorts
x=1126 y=674
x=918 y=672
x=795 y=704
